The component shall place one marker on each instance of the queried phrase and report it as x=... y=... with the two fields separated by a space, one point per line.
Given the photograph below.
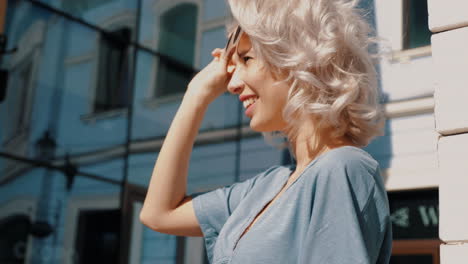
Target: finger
x=216 y=51
x=217 y=56
x=226 y=57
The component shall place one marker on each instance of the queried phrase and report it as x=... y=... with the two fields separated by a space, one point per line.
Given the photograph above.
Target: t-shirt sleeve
x=349 y=219
x=213 y=208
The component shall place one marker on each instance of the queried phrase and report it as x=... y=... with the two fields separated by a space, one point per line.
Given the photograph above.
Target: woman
x=301 y=67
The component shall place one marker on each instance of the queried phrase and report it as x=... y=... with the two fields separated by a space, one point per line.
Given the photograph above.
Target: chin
x=262 y=127
x=257 y=127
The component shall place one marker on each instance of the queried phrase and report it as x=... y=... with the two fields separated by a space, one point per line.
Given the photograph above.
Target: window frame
x=132 y=236
x=77 y=204
x=119 y=20
x=29 y=53
x=24 y=110
x=159 y=9
x=101 y=67
x=404 y=54
x=418 y=247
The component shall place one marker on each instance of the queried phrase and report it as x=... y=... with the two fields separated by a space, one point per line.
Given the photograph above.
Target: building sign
x=414 y=214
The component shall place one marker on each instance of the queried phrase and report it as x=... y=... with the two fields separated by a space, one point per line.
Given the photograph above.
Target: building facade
x=91 y=91
x=450 y=62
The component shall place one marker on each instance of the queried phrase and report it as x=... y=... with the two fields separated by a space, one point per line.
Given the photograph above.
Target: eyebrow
x=242 y=52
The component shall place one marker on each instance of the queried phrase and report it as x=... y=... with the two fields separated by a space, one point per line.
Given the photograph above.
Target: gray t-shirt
x=336 y=212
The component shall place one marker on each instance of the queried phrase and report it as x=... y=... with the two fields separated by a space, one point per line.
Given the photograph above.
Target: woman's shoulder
x=347 y=165
x=353 y=169
x=269 y=174
x=348 y=157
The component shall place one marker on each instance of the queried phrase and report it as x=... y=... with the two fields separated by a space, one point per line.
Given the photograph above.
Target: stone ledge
x=447 y=14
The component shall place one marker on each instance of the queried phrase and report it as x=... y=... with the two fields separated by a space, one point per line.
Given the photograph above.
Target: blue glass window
x=177 y=37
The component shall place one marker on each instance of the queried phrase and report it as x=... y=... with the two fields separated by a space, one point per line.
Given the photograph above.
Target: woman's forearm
x=168 y=183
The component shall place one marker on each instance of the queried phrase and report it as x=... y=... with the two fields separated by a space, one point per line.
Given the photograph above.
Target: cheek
x=257 y=79
x=279 y=96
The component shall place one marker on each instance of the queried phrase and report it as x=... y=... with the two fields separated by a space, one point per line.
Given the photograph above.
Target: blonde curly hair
x=321 y=48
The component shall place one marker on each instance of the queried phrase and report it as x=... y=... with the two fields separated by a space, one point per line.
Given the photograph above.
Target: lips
x=242 y=98
x=249 y=110
x=250 y=101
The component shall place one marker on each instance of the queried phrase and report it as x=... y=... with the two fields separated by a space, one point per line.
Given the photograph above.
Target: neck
x=309 y=143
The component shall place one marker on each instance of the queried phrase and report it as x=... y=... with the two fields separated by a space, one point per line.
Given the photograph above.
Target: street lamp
x=70 y=171
x=45 y=151
x=45 y=147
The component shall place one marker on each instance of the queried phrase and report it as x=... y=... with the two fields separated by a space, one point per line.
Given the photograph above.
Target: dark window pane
x=98 y=237
x=176 y=41
x=414 y=214
x=113 y=73
x=172 y=78
x=411 y=259
x=13 y=238
x=24 y=78
x=3 y=84
x=418 y=33
x=19 y=86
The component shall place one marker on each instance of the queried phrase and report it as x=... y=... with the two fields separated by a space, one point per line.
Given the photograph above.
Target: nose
x=235 y=85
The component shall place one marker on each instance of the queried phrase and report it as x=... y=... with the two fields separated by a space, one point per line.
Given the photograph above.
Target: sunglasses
x=233 y=40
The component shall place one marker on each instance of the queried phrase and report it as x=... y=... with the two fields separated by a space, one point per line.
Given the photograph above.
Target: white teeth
x=249 y=101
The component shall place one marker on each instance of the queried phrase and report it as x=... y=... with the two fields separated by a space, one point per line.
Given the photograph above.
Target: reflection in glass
x=113 y=73
x=14 y=230
x=177 y=38
x=19 y=115
x=97 y=13
x=98 y=236
x=69 y=85
x=78 y=7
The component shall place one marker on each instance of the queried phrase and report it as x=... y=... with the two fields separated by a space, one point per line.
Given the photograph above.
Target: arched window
x=177 y=38
x=23 y=66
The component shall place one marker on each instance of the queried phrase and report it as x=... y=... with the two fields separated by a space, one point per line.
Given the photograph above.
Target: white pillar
x=448 y=20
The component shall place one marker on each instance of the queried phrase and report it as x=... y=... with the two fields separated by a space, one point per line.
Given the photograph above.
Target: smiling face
x=251 y=79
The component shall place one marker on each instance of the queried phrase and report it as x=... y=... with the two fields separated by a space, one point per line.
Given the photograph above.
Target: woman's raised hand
x=167 y=208
x=212 y=81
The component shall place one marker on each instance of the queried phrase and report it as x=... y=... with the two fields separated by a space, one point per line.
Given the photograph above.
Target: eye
x=246 y=58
